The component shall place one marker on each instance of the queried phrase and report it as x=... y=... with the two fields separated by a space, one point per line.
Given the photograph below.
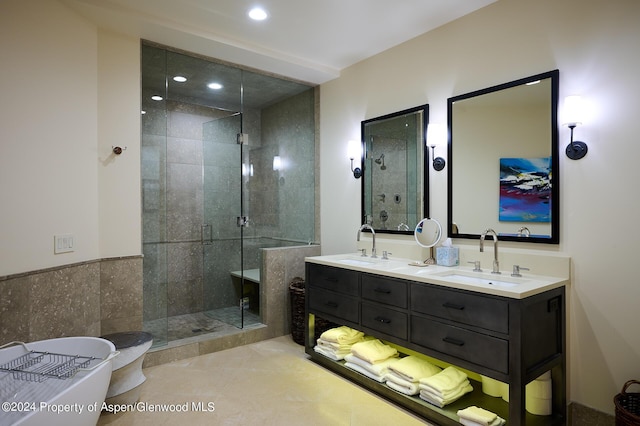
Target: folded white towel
x=441 y=401
x=400 y=380
x=379 y=369
x=399 y=384
x=329 y=353
x=410 y=389
x=447 y=380
x=412 y=368
x=360 y=369
x=477 y=415
x=499 y=421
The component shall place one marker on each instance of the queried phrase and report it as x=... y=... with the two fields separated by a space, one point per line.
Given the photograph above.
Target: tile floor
x=266 y=383
x=221 y=321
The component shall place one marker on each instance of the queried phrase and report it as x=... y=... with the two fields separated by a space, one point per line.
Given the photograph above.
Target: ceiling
x=309 y=41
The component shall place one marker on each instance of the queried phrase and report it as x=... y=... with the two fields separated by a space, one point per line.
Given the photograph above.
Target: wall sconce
x=438 y=162
x=277 y=163
x=436 y=134
x=573 y=109
x=354 y=150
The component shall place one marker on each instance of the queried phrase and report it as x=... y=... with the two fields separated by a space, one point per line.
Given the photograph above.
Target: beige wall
x=59 y=122
x=119 y=125
x=594 y=45
x=68 y=92
x=48 y=105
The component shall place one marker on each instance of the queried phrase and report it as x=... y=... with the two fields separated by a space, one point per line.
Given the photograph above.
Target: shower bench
x=250 y=288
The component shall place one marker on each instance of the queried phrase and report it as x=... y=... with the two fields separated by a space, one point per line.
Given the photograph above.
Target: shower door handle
x=206 y=236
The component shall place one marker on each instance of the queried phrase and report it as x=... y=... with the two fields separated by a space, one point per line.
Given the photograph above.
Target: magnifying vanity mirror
x=394 y=184
x=427 y=234
x=503 y=161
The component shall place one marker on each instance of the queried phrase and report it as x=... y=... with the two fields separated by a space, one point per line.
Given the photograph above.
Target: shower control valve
x=242 y=221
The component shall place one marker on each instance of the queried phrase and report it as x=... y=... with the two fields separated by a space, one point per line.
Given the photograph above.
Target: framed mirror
x=394 y=185
x=503 y=161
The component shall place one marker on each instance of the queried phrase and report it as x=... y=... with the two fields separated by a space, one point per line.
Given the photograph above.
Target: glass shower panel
x=154 y=200
x=211 y=206
x=221 y=234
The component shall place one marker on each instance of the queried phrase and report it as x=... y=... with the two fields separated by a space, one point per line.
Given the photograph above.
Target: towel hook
x=118 y=150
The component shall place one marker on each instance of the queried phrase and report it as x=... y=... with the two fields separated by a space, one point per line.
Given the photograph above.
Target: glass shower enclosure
x=227 y=171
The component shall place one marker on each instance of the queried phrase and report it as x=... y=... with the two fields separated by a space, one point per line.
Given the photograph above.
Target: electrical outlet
x=63 y=243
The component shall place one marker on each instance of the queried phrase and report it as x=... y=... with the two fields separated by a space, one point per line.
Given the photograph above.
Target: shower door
x=225 y=220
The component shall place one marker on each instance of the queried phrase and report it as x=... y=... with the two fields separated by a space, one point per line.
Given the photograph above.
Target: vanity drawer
x=477 y=348
x=465 y=308
x=335 y=279
x=385 y=290
x=385 y=320
x=335 y=304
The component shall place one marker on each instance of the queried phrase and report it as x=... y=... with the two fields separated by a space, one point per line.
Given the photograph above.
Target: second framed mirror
x=503 y=161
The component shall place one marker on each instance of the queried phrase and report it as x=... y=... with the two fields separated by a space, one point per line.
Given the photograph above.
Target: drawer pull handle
x=453 y=341
x=331 y=279
x=453 y=306
x=382 y=290
x=332 y=304
x=383 y=320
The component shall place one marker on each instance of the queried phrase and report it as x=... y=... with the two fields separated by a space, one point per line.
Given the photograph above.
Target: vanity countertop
x=458 y=277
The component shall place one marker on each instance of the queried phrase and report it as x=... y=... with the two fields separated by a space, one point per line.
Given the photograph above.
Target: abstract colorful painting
x=525 y=189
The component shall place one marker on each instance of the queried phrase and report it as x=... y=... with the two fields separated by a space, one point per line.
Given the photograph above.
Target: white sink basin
x=357 y=262
x=480 y=279
x=376 y=263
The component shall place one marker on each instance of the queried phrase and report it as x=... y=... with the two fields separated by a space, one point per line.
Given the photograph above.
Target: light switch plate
x=63 y=243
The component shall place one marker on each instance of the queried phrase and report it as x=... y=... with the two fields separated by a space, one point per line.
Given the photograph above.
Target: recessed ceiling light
x=258 y=14
x=156 y=98
x=179 y=79
x=214 y=86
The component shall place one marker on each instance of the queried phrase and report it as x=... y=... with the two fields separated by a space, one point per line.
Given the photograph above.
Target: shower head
x=381 y=161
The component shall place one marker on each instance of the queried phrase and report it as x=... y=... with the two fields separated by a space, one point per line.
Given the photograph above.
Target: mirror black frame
x=425 y=169
x=555 y=159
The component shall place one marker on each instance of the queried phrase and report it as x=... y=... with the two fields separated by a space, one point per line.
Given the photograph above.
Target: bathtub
x=62 y=395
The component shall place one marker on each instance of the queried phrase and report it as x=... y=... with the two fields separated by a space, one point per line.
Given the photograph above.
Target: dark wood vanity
x=513 y=340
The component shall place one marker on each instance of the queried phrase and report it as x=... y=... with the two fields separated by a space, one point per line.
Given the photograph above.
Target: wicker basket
x=296 y=290
x=627 y=406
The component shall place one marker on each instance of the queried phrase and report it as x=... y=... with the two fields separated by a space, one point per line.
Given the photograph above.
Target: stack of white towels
x=404 y=376
x=476 y=416
x=445 y=387
x=372 y=358
x=335 y=343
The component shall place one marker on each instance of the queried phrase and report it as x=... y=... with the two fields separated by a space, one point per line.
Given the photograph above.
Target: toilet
x=127 y=377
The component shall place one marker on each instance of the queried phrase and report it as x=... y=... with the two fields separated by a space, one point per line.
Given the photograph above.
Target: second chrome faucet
x=373 y=236
x=496 y=264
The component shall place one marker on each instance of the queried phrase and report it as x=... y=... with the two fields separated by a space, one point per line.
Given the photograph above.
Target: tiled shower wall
x=84 y=299
x=172 y=180
x=401 y=148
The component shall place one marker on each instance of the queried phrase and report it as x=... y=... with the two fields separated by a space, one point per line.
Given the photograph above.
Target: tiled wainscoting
x=105 y=296
x=83 y=299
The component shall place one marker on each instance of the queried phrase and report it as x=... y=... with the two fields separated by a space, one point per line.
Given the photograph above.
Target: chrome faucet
x=524 y=232
x=496 y=264
x=373 y=236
